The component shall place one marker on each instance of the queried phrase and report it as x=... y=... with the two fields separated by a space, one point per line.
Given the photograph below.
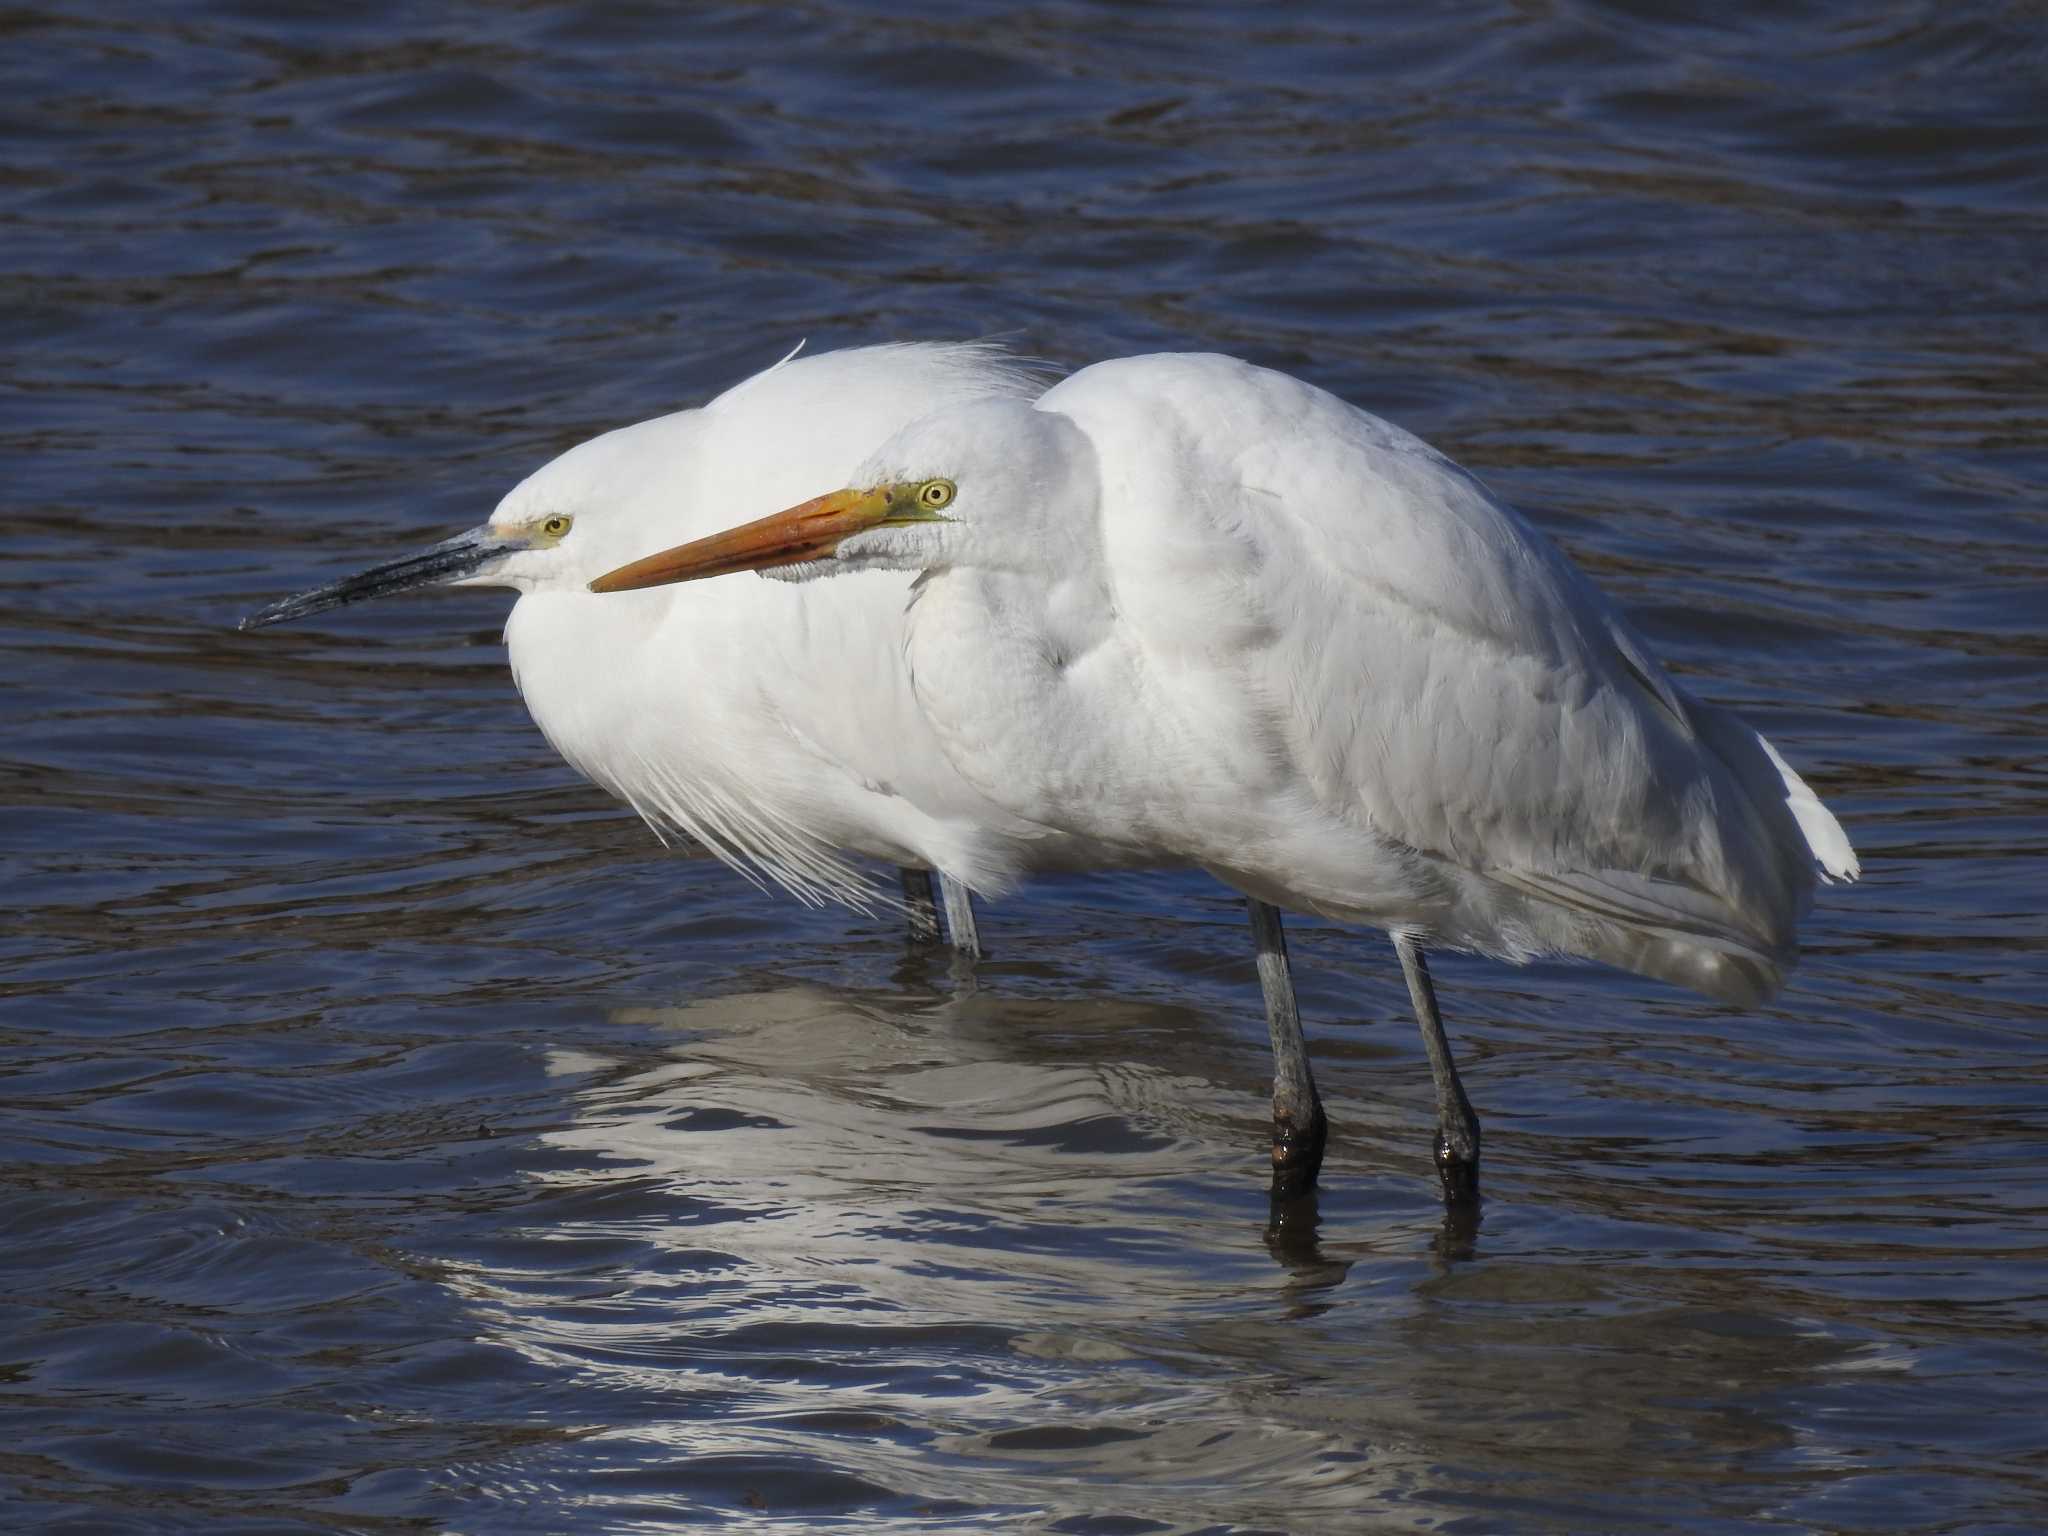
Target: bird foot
x=1458 y=1172
x=1297 y=1151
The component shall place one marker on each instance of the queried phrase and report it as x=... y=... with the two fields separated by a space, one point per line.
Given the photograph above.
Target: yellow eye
x=554 y=527
x=934 y=494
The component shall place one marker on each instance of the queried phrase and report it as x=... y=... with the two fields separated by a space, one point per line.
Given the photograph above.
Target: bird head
x=976 y=484
x=766 y=441
x=859 y=526
x=567 y=521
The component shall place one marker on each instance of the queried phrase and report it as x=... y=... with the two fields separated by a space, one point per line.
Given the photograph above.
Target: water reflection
x=900 y=1219
x=877 y=1249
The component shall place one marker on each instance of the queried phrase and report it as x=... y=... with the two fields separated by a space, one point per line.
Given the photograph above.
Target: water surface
x=396 y=1139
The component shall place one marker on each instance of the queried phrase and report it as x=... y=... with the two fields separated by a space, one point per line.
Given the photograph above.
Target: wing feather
x=1422 y=660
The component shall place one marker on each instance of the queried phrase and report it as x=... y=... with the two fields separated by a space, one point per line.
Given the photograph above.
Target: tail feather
x=1824 y=834
x=1662 y=928
x=1725 y=927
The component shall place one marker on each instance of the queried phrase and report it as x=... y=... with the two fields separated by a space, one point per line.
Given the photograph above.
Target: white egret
x=1188 y=610
x=773 y=726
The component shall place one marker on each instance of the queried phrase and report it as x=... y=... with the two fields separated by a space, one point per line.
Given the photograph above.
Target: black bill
x=467 y=554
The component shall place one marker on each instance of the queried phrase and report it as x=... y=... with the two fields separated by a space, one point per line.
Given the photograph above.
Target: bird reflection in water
x=1033 y=1142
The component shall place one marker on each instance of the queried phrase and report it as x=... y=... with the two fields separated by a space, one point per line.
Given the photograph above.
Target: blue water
x=393 y=1138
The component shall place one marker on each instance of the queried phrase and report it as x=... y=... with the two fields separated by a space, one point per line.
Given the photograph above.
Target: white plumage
x=1207 y=612
x=1177 y=610
x=773 y=726
x=1183 y=609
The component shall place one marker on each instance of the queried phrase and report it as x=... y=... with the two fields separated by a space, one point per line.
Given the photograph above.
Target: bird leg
x=1457 y=1127
x=960 y=925
x=919 y=905
x=923 y=907
x=1299 y=1128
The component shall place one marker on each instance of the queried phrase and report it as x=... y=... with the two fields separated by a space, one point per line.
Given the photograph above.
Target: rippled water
x=394 y=1138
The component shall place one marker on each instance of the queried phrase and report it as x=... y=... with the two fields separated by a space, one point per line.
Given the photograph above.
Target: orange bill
x=811 y=531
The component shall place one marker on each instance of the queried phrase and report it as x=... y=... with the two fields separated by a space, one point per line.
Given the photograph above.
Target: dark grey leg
x=1457 y=1128
x=1299 y=1129
x=919 y=905
x=960 y=918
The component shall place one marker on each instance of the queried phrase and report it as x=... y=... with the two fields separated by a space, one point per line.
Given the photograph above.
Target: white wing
x=1403 y=653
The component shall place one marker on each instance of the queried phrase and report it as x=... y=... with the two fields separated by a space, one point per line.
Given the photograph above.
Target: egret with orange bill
x=1185 y=610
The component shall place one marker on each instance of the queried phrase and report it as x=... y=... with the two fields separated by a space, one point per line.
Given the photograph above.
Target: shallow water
x=395 y=1138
